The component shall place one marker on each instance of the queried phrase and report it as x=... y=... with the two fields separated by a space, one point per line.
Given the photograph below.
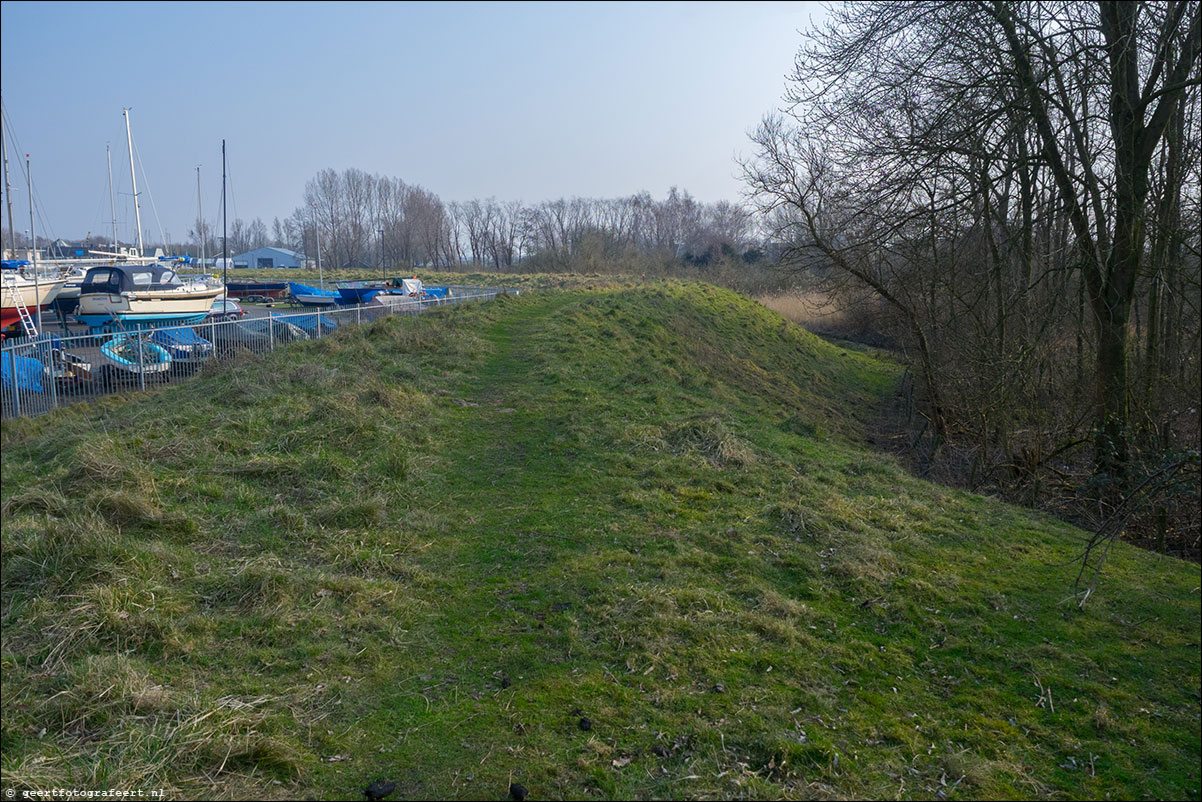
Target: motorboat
x=312 y=296
x=187 y=348
x=144 y=295
x=130 y=354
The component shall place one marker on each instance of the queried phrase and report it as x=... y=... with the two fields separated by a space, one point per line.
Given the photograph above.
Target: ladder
x=27 y=324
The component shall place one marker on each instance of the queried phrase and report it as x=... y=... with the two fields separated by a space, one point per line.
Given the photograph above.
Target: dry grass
x=809 y=308
x=826 y=315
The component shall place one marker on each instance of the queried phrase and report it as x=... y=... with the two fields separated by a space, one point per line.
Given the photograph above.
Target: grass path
x=645 y=507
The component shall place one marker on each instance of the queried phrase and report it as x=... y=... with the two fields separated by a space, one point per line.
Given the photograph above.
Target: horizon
x=517 y=101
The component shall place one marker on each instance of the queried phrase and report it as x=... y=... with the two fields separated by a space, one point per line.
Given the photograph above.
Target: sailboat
x=143 y=294
x=22 y=294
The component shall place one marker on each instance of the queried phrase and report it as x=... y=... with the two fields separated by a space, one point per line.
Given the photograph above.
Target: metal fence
x=54 y=370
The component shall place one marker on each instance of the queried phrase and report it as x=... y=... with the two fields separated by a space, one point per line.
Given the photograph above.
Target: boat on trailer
x=270 y=290
x=187 y=348
x=312 y=296
x=19 y=289
x=143 y=296
x=126 y=355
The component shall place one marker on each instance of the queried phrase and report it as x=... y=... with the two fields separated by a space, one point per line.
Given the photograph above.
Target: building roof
x=292 y=254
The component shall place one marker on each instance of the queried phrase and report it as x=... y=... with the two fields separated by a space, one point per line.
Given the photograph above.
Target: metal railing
x=54 y=370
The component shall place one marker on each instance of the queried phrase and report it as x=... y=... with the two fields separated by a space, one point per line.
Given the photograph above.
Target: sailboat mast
x=8 y=196
x=129 y=138
x=225 y=262
x=33 y=233
x=200 y=209
x=108 y=155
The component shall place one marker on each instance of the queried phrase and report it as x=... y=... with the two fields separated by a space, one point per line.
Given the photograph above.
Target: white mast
x=8 y=196
x=108 y=155
x=129 y=138
x=33 y=233
x=201 y=211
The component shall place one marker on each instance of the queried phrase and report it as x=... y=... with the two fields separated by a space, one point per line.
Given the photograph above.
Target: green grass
x=425 y=549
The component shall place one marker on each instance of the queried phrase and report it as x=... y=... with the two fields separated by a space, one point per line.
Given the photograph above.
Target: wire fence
x=53 y=370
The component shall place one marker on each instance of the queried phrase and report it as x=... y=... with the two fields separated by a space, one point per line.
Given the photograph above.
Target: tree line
x=359 y=219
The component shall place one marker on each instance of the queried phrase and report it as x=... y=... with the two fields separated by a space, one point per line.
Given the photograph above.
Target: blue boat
x=185 y=346
x=357 y=293
x=126 y=353
x=312 y=296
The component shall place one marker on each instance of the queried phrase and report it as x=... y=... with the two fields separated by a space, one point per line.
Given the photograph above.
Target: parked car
x=225 y=309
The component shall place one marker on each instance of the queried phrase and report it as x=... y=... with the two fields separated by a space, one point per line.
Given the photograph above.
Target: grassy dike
x=428 y=549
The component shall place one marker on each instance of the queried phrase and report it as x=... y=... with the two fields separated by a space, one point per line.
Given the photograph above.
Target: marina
x=69 y=361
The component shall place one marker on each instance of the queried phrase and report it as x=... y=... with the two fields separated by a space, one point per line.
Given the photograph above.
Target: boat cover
x=115 y=279
x=26 y=371
x=308 y=323
x=180 y=335
x=302 y=289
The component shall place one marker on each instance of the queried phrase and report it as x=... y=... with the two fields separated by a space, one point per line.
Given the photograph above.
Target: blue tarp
x=12 y=264
x=435 y=292
x=302 y=289
x=28 y=373
x=178 y=336
x=308 y=323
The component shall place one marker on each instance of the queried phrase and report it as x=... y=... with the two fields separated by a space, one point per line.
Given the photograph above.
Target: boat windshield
x=147 y=278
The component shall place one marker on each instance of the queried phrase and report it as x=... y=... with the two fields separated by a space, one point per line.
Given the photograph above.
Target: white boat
x=17 y=290
x=148 y=295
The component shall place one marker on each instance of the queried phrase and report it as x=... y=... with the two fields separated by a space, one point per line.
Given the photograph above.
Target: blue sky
x=518 y=101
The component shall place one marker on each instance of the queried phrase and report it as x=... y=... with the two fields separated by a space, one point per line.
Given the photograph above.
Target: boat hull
x=134 y=309
x=352 y=296
x=32 y=294
x=121 y=353
x=315 y=300
x=270 y=289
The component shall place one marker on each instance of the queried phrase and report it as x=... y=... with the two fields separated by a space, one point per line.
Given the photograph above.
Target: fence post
x=358 y=315
x=12 y=363
x=53 y=378
x=141 y=363
x=270 y=331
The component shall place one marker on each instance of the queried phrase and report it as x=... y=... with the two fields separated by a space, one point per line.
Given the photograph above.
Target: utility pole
x=383 y=272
